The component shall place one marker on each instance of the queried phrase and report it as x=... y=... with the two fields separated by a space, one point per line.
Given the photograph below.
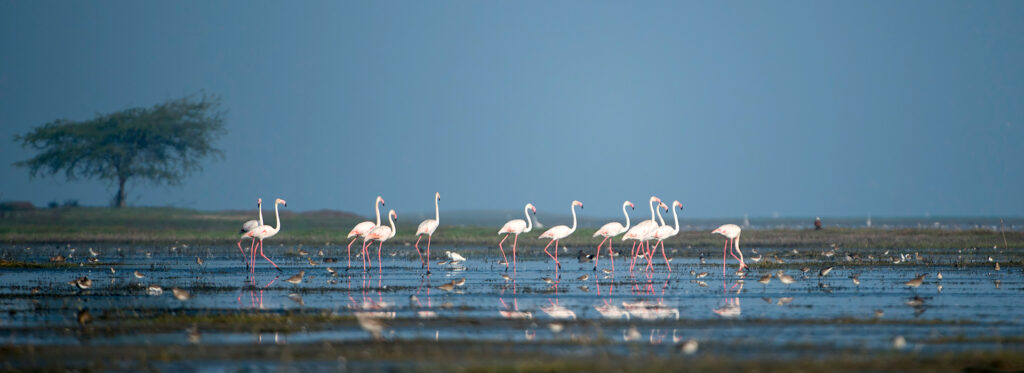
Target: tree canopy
x=161 y=144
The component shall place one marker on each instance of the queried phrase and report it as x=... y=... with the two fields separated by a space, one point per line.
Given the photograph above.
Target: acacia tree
x=161 y=144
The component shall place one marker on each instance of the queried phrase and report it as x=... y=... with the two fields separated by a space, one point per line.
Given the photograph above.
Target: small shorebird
x=997 y=266
x=764 y=280
x=756 y=258
x=297 y=279
x=701 y=275
x=311 y=262
x=181 y=294
x=585 y=277
x=824 y=271
x=84 y=317
x=784 y=278
x=154 y=290
x=506 y=277
x=459 y=282
x=81 y=283
x=303 y=252
x=139 y=275
x=447 y=287
x=548 y=280
x=856 y=279
x=199 y=260
x=916 y=281
x=455 y=257
x=939 y=275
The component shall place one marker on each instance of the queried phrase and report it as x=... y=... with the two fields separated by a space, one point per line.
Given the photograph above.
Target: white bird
x=455 y=257
x=731 y=233
x=428 y=227
x=515 y=227
x=640 y=230
x=248 y=227
x=559 y=232
x=265 y=231
x=609 y=231
x=361 y=229
x=380 y=234
x=663 y=232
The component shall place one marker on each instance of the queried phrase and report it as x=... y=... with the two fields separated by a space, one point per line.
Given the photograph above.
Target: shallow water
x=725 y=313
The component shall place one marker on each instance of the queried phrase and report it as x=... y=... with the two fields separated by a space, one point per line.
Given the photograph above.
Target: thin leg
x=611 y=254
x=429 y=236
x=736 y=249
x=417 y=246
x=667 y=265
x=549 y=254
x=557 y=263
x=503 y=257
x=265 y=257
x=598 y=256
x=515 y=241
x=650 y=256
x=724 y=248
x=380 y=263
x=632 y=261
x=349 y=250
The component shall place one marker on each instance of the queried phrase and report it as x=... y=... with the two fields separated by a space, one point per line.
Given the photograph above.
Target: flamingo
x=516 y=226
x=731 y=233
x=664 y=232
x=380 y=234
x=362 y=228
x=640 y=230
x=559 y=232
x=428 y=227
x=248 y=227
x=265 y=231
x=609 y=231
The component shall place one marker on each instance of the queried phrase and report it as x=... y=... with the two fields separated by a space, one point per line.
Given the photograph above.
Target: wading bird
x=732 y=234
x=428 y=227
x=362 y=228
x=248 y=227
x=641 y=230
x=515 y=227
x=380 y=234
x=664 y=232
x=609 y=231
x=559 y=232
x=265 y=231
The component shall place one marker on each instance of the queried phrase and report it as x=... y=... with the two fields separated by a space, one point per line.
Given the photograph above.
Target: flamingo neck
x=660 y=219
x=376 y=210
x=676 y=217
x=277 y=215
x=392 y=222
x=437 y=212
x=652 y=210
x=259 y=207
x=627 y=217
x=529 y=222
x=573 y=229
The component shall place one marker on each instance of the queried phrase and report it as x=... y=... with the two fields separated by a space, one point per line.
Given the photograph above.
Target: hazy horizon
x=908 y=109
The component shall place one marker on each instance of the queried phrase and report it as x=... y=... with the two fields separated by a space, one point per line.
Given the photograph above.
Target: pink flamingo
x=428 y=227
x=559 y=232
x=664 y=231
x=248 y=227
x=516 y=226
x=362 y=228
x=609 y=231
x=640 y=230
x=731 y=233
x=265 y=231
x=380 y=234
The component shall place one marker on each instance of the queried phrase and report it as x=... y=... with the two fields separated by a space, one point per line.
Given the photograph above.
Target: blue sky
x=796 y=108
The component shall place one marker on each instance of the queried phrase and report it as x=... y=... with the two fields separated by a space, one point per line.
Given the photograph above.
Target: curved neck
x=392 y=222
x=376 y=209
x=259 y=207
x=529 y=222
x=627 y=215
x=660 y=220
x=437 y=212
x=277 y=216
x=573 y=229
x=652 y=210
x=676 y=217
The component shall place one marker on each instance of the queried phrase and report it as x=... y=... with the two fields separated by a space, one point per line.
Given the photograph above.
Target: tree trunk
x=119 y=200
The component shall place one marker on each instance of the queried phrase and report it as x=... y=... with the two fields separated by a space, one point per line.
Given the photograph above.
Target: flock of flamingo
x=641 y=234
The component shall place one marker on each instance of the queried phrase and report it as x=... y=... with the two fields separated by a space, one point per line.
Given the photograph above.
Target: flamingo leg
x=650 y=256
x=557 y=263
x=252 y=258
x=667 y=265
x=610 y=253
x=365 y=259
x=417 y=246
x=598 y=256
x=549 y=254
x=265 y=257
x=380 y=264
x=505 y=258
x=429 y=236
x=514 y=242
x=736 y=248
x=349 y=250
x=241 y=249
x=724 y=248
x=633 y=257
